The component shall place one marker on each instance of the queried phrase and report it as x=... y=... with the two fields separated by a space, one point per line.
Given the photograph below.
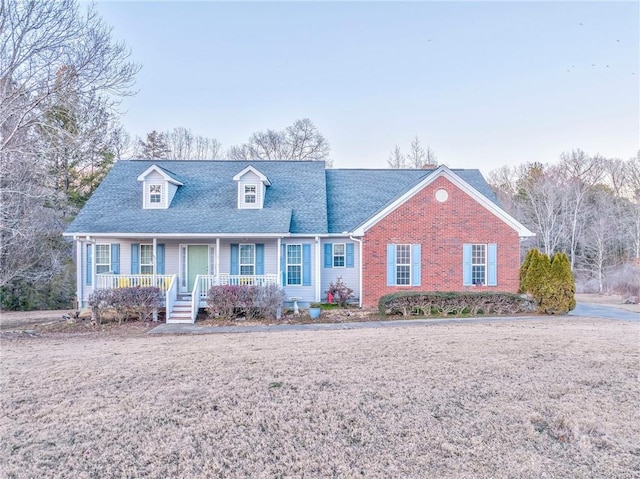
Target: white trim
x=251 y=169
x=360 y=263
x=95 y=258
x=333 y=255
x=240 y=263
x=442 y=170
x=287 y=264
x=161 y=172
x=186 y=235
x=79 y=268
x=242 y=200
x=318 y=271
x=409 y=264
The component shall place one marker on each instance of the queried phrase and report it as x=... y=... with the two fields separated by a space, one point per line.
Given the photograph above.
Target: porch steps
x=180 y=312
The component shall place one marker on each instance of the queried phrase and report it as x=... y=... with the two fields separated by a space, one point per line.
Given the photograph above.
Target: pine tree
x=155 y=148
x=537 y=279
x=561 y=297
x=525 y=267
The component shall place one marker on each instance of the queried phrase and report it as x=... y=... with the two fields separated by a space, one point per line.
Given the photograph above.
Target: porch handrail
x=206 y=281
x=195 y=298
x=247 y=280
x=171 y=296
x=113 y=281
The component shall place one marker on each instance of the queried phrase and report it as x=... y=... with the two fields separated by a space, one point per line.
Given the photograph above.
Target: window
x=403 y=264
x=247 y=259
x=155 y=194
x=294 y=264
x=479 y=264
x=146 y=259
x=250 y=194
x=103 y=258
x=338 y=255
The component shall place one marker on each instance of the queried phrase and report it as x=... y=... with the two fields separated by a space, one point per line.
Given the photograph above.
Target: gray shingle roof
x=303 y=198
x=354 y=196
x=207 y=203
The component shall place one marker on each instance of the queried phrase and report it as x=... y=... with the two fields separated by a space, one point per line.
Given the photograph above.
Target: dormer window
x=159 y=187
x=155 y=194
x=252 y=188
x=250 y=194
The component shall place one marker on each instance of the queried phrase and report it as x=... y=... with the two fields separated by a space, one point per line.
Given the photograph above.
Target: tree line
x=586 y=206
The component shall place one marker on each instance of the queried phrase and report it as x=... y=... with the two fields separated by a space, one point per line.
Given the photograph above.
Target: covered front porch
x=182 y=307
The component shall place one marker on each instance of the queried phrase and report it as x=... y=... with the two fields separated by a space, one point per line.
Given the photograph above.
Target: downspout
x=360 y=266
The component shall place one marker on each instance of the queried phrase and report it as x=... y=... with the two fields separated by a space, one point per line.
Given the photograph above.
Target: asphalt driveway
x=606 y=312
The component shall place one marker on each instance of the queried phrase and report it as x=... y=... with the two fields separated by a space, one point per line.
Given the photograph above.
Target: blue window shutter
x=416 y=264
x=328 y=255
x=391 y=265
x=160 y=258
x=115 y=258
x=283 y=264
x=466 y=264
x=89 y=264
x=259 y=259
x=349 y=248
x=235 y=251
x=306 y=265
x=492 y=279
x=135 y=258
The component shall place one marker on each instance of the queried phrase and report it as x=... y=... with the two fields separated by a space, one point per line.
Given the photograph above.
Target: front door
x=197 y=263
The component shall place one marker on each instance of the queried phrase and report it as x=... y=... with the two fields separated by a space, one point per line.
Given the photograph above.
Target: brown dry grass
x=540 y=399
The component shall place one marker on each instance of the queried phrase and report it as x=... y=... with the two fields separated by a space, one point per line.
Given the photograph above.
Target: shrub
x=229 y=302
x=550 y=282
x=407 y=303
x=340 y=291
x=125 y=303
x=525 y=267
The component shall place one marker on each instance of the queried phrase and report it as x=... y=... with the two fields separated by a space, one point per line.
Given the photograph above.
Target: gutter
x=360 y=266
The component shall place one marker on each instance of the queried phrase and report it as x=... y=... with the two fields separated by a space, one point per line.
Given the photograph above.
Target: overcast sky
x=483 y=84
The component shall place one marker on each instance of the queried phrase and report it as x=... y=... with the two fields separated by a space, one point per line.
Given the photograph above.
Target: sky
x=483 y=84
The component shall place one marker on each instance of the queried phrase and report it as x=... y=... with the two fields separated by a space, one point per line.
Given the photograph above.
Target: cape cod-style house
x=187 y=225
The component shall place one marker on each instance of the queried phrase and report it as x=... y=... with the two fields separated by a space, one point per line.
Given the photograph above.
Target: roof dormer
x=159 y=186
x=252 y=187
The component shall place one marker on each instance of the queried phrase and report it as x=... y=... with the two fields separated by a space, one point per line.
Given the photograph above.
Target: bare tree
x=61 y=77
x=184 y=145
x=396 y=159
x=418 y=157
x=301 y=141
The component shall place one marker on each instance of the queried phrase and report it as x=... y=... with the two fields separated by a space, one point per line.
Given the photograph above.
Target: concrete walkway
x=582 y=310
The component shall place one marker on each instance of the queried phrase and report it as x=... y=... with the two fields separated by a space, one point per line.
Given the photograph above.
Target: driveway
x=606 y=312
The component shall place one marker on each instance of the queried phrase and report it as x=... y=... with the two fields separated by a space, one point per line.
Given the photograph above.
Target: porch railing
x=110 y=281
x=247 y=280
x=171 y=296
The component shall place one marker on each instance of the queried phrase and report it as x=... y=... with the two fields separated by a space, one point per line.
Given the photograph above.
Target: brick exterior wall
x=441 y=229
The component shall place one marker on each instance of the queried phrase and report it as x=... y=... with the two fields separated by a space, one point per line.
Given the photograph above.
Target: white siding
x=350 y=276
x=154 y=178
x=171 y=192
x=250 y=178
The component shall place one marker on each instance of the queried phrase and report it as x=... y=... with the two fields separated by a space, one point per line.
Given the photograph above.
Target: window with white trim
x=294 y=264
x=103 y=258
x=155 y=194
x=403 y=264
x=479 y=264
x=339 y=255
x=247 y=259
x=250 y=194
x=146 y=259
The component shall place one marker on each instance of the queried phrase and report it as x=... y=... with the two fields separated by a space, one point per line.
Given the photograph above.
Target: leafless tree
x=418 y=156
x=301 y=141
x=61 y=78
x=184 y=145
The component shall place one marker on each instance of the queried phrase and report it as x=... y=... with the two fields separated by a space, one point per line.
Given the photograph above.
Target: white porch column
x=318 y=271
x=155 y=260
x=79 y=292
x=217 y=265
x=94 y=278
x=279 y=278
x=155 y=271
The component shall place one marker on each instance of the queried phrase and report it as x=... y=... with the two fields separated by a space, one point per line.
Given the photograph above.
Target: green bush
x=408 y=303
x=549 y=281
